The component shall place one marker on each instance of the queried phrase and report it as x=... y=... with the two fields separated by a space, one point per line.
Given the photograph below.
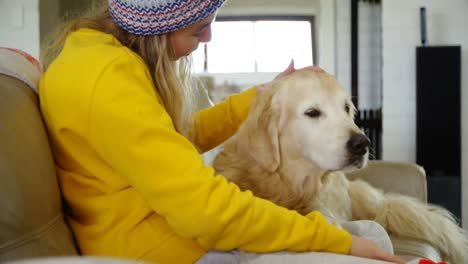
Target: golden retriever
x=294 y=148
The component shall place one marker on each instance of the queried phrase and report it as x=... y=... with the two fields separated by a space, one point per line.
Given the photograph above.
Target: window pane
x=231 y=48
x=262 y=46
x=277 y=42
x=199 y=58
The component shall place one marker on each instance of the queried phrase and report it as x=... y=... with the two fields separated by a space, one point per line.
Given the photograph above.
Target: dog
x=294 y=148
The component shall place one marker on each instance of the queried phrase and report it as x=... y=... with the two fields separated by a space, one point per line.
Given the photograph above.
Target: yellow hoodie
x=134 y=187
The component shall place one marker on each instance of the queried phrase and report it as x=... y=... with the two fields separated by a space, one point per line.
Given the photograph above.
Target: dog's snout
x=358 y=144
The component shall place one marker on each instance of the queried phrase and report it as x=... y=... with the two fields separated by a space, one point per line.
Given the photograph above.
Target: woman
x=117 y=101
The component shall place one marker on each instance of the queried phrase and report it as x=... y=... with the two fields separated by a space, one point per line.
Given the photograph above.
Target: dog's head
x=306 y=115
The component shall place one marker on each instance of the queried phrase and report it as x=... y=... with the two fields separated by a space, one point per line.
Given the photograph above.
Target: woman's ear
x=259 y=134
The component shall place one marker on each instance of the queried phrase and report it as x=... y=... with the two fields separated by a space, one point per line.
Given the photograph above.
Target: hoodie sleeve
x=216 y=124
x=133 y=133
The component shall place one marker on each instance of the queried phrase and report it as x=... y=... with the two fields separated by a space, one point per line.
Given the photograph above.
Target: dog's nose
x=358 y=144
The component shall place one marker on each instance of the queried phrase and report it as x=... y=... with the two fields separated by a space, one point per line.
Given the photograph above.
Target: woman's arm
x=132 y=132
x=216 y=124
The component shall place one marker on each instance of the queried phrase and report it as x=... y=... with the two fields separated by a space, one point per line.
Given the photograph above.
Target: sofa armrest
x=397 y=177
x=31 y=219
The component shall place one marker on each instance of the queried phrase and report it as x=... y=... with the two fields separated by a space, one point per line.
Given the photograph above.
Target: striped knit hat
x=154 y=17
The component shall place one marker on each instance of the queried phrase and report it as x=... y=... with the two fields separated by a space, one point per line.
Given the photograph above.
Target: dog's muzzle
x=358 y=146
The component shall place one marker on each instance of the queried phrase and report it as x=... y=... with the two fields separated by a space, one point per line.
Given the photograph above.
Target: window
x=256 y=44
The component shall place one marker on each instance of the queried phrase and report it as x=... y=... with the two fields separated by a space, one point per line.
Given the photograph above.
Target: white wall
x=370 y=56
x=24 y=23
x=270 y=7
x=447 y=25
x=370 y=51
x=326 y=26
x=19 y=25
x=343 y=42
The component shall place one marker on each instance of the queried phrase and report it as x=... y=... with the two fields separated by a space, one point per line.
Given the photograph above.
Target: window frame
x=256 y=18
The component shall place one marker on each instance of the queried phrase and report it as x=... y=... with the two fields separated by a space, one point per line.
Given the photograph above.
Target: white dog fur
x=294 y=148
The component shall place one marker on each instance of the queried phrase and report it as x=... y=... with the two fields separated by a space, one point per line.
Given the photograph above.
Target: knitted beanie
x=154 y=17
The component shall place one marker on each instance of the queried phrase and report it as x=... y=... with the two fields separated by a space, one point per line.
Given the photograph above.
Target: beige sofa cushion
x=31 y=221
x=396 y=177
x=403 y=178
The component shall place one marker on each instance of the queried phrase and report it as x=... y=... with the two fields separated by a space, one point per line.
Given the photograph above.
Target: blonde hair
x=172 y=79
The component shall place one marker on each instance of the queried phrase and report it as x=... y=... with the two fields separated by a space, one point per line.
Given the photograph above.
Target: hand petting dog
x=290 y=69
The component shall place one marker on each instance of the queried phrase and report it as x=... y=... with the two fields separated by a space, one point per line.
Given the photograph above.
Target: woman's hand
x=364 y=248
x=290 y=69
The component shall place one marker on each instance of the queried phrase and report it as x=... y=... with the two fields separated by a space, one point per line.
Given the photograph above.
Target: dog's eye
x=347 y=108
x=313 y=112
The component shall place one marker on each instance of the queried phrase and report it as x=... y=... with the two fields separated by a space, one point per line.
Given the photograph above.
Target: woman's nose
x=206 y=37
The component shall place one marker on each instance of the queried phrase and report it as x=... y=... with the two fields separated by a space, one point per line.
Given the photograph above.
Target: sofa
x=32 y=224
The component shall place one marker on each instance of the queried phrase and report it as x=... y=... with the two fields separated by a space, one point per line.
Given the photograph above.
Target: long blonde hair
x=172 y=79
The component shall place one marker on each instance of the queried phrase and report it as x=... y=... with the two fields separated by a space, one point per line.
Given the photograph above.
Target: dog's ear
x=259 y=135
